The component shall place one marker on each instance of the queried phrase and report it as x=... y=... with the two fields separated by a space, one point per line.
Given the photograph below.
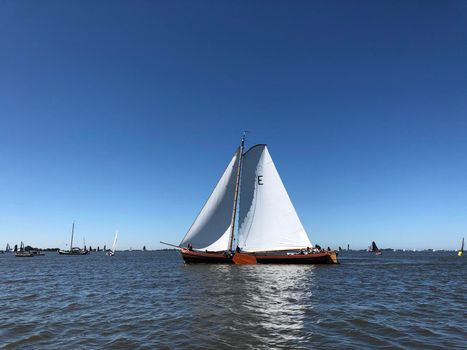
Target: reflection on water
x=278 y=296
x=153 y=300
x=264 y=305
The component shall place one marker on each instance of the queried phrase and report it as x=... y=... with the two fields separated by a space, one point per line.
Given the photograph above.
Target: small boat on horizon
x=461 y=251
x=111 y=252
x=374 y=249
x=73 y=250
x=269 y=229
x=8 y=248
x=23 y=253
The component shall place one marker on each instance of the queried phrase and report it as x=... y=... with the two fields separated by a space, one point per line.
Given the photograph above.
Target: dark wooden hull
x=314 y=258
x=191 y=256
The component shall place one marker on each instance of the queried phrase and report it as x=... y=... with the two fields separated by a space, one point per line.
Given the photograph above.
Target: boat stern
x=333 y=257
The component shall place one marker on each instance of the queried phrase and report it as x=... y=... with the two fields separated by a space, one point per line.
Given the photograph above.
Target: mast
x=72 y=231
x=237 y=184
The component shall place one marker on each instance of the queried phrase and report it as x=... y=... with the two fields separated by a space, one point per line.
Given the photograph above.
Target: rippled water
x=153 y=300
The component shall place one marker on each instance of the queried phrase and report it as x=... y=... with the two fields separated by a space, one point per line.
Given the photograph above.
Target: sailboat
x=111 y=252
x=269 y=229
x=460 y=252
x=23 y=253
x=374 y=249
x=73 y=250
x=8 y=248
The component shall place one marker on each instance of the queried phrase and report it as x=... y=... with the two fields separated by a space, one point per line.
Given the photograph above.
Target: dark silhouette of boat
x=23 y=253
x=374 y=249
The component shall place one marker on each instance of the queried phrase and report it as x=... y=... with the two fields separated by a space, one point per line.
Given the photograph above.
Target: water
x=151 y=300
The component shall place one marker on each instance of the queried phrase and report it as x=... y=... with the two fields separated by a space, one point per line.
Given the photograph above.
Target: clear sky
x=123 y=115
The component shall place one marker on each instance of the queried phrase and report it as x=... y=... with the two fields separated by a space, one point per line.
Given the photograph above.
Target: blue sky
x=122 y=115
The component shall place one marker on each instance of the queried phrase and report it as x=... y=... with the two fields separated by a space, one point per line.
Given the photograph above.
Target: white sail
x=268 y=220
x=211 y=229
x=115 y=242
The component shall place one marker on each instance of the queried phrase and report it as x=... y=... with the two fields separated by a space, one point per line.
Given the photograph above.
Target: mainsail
x=267 y=219
x=115 y=241
x=211 y=229
x=374 y=247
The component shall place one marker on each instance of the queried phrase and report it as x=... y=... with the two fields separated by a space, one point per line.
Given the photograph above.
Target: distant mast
x=237 y=184
x=72 y=232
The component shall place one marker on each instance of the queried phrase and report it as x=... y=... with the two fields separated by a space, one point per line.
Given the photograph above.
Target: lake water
x=152 y=300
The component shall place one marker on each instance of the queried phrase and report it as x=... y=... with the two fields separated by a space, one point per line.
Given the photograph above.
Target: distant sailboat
x=23 y=253
x=269 y=229
x=111 y=252
x=374 y=249
x=461 y=251
x=73 y=250
x=8 y=248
